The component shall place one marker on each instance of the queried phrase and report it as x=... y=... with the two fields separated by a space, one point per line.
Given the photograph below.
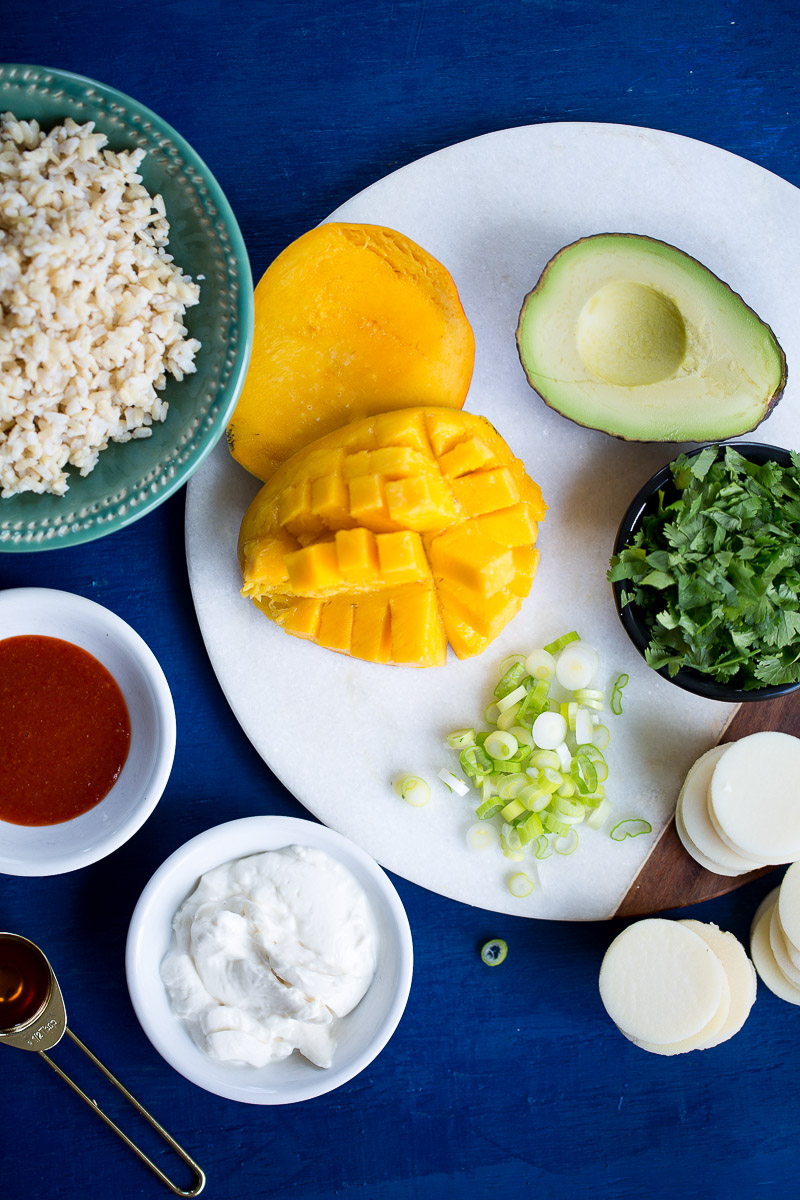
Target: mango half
x=350 y=320
x=395 y=535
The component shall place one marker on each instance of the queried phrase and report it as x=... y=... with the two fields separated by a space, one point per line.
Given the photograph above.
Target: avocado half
x=629 y=335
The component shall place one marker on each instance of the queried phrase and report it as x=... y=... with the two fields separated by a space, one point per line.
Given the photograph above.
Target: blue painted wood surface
x=498 y=1082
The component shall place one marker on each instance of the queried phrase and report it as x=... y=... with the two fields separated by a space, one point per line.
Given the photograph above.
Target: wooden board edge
x=684 y=881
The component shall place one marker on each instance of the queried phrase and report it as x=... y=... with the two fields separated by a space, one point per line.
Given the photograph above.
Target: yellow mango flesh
x=350 y=320
x=332 y=554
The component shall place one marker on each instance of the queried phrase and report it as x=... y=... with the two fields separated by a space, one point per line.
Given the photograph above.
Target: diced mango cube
x=486 y=491
x=444 y=433
x=402 y=557
x=357 y=555
x=469 y=558
x=336 y=625
x=294 y=502
x=421 y=502
x=368 y=503
x=303 y=618
x=403 y=428
x=329 y=497
x=465 y=640
x=467 y=456
x=418 y=637
x=396 y=462
x=510 y=527
x=526 y=560
x=529 y=490
x=265 y=563
x=356 y=464
x=486 y=616
x=314 y=569
x=372 y=631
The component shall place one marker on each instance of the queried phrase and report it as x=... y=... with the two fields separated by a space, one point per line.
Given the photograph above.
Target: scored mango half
x=395 y=535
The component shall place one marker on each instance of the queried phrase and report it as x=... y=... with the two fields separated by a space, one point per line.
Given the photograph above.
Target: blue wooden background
x=498 y=1082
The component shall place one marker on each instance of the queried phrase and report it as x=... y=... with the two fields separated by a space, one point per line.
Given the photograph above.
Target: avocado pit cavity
x=631 y=335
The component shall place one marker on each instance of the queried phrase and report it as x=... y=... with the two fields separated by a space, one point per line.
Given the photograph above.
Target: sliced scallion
x=482 y=836
x=494 y=952
x=509 y=681
x=631 y=827
x=520 y=885
x=501 y=746
x=577 y=665
x=540 y=664
x=543 y=849
x=561 y=642
x=413 y=790
x=460 y=738
x=567 y=844
x=489 y=808
x=601 y=736
x=508 y=717
x=616 y=694
x=549 y=730
x=453 y=783
x=598 y=816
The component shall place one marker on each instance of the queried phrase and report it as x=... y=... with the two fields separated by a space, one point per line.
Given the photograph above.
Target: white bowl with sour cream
x=359 y=1036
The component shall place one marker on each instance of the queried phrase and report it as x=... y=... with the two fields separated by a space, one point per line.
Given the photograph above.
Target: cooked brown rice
x=91 y=304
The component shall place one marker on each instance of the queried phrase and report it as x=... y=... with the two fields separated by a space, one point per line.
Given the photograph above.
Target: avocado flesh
x=634 y=337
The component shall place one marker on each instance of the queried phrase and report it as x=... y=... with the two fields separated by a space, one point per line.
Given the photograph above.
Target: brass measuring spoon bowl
x=33 y=1017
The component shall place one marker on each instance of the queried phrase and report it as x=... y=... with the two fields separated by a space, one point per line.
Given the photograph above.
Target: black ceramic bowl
x=631 y=616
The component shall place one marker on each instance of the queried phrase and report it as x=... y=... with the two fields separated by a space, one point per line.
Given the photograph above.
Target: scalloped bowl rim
x=146 y=487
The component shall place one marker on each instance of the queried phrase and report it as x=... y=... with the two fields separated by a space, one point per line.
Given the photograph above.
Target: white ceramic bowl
x=54 y=849
x=361 y=1035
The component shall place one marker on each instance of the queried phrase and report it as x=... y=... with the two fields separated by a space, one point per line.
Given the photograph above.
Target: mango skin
x=350 y=320
x=393 y=536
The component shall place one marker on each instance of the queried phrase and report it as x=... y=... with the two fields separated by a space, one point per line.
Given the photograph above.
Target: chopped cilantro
x=714 y=570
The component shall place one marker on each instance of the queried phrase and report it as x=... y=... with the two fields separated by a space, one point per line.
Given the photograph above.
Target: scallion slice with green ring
x=489 y=808
x=501 y=746
x=632 y=827
x=453 y=783
x=459 y=739
x=494 y=952
x=598 y=816
x=512 y=698
x=616 y=694
x=413 y=790
x=567 y=844
x=561 y=642
x=542 y=848
x=482 y=836
x=601 y=736
x=520 y=885
x=509 y=681
x=540 y=664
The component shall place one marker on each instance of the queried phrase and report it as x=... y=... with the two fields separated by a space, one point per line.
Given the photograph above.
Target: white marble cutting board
x=336 y=731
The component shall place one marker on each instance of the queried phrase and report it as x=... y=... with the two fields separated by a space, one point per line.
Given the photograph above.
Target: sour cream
x=267 y=952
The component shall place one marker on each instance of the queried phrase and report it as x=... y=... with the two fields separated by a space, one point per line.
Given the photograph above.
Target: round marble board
x=337 y=731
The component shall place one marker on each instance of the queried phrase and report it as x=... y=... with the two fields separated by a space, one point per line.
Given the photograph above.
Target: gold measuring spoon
x=33 y=1017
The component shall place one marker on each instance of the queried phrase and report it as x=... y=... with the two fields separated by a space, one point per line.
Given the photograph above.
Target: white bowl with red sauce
x=115 y=774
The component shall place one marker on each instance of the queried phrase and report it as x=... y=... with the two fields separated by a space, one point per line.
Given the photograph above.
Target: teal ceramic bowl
x=132 y=478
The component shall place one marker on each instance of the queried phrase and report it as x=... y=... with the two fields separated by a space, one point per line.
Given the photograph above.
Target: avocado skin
x=764 y=412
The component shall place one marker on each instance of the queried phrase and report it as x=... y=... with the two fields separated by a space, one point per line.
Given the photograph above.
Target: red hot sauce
x=64 y=730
